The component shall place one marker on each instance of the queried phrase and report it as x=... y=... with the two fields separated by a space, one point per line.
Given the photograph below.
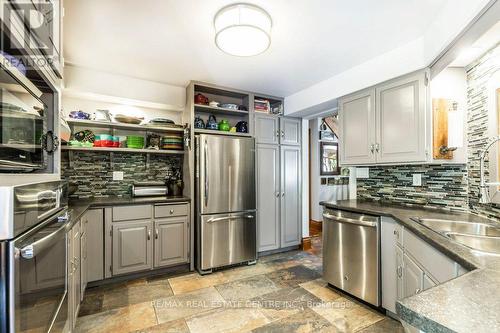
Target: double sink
x=480 y=237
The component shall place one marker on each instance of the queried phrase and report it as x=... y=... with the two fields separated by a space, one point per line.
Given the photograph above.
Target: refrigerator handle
x=205 y=159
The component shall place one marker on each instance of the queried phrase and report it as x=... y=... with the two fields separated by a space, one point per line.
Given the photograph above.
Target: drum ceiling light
x=242 y=30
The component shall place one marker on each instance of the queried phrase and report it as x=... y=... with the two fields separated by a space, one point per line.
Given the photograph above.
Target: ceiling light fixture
x=242 y=29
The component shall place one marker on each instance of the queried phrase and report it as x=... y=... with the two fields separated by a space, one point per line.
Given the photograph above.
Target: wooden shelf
x=132 y=127
x=208 y=108
x=124 y=150
x=216 y=132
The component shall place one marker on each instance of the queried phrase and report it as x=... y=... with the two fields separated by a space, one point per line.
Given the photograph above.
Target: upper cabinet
x=271 y=129
x=357 y=127
x=386 y=123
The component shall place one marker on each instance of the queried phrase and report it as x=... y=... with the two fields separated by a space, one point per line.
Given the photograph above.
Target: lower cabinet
x=410 y=265
x=171 y=241
x=141 y=245
x=74 y=272
x=132 y=246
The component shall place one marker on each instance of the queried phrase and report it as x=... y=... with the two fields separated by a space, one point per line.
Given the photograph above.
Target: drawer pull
x=171 y=211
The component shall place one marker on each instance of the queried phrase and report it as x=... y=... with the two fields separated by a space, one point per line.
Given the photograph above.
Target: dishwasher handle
x=350 y=221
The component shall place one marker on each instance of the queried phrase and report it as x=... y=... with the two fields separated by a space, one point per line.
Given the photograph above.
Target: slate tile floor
x=281 y=293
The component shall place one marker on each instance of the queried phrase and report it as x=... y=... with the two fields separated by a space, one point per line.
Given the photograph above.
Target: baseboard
x=306 y=243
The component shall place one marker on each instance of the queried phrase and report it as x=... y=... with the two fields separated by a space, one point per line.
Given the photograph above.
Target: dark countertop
x=469 y=303
x=80 y=206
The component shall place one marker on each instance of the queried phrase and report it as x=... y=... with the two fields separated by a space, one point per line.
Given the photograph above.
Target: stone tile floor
x=281 y=293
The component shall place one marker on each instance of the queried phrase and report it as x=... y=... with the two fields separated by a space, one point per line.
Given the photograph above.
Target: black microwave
x=24 y=136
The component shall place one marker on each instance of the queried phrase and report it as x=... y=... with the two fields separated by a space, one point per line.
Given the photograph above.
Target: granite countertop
x=469 y=303
x=80 y=206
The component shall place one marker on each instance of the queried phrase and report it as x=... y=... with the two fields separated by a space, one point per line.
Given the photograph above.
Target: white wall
x=79 y=79
x=451 y=83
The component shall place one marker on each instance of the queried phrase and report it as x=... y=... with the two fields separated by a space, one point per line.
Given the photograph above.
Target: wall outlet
x=117 y=175
x=417 y=179
x=362 y=173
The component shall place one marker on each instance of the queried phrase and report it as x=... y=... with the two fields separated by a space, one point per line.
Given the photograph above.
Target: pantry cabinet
x=386 y=123
x=268 y=198
x=278 y=170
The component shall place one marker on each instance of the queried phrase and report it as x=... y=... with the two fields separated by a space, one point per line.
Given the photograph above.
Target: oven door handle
x=30 y=251
x=349 y=221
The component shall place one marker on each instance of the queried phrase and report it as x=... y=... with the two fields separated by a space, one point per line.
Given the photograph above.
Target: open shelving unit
x=216 y=132
x=122 y=129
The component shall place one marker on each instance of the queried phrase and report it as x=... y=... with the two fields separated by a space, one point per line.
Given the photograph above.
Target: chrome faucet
x=484 y=193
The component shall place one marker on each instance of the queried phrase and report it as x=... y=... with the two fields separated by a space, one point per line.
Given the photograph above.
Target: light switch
x=117 y=175
x=417 y=179
x=362 y=173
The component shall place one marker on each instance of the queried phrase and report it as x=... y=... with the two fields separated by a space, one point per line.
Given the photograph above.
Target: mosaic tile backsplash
x=92 y=172
x=442 y=185
x=479 y=74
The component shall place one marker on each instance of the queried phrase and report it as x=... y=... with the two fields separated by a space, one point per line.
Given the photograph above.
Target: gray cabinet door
x=267 y=129
x=171 y=241
x=290 y=196
x=268 y=197
x=401 y=106
x=83 y=261
x=132 y=246
x=400 y=272
x=290 y=131
x=94 y=227
x=413 y=277
x=357 y=128
x=75 y=272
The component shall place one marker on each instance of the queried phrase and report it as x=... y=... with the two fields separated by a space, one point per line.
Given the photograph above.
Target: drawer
x=439 y=266
x=171 y=210
x=133 y=212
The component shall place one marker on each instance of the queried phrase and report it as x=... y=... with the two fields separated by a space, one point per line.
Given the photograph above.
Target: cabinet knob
x=277 y=194
x=346 y=277
x=417 y=291
x=171 y=211
x=282 y=194
x=396 y=233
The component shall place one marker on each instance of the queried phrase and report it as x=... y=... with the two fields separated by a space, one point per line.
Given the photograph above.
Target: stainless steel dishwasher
x=351 y=253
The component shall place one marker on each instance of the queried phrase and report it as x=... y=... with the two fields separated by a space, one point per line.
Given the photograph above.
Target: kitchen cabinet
x=132 y=246
x=74 y=272
x=357 y=128
x=413 y=277
x=290 y=131
x=171 y=241
x=400 y=114
x=386 y=123
x=410 y=265
x=290 y=196
x=270 y=129
x=268 y=198
x=94 y=229
x=267 y=129
x=83 y=258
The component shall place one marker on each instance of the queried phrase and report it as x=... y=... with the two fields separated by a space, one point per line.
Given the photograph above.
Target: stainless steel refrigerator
x=225 y=201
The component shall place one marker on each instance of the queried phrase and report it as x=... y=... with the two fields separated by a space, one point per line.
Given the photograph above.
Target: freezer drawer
x=227 y=239
x=351 y=254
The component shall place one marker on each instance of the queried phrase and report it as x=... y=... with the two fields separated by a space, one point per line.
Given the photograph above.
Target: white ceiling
x=171 y=41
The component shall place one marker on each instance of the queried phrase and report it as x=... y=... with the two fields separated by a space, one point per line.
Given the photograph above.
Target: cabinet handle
x=156 y=233
x=282 y=194
x=417 y=291
x=171 y=211
x=282 y=134
x=396 y=233
x=149 y=234
x=277 y=194
x=372 y=148
x=277 y=133
x=377 y=147
x=400 y=271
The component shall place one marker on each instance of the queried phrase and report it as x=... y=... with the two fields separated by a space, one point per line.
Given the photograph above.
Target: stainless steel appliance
x=351 y=253
x=225 y=201
x=33 y=256
x=24 y=120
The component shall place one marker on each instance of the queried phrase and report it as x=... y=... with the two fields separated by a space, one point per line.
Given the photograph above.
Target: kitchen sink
x=480 y=243
x=460 y=227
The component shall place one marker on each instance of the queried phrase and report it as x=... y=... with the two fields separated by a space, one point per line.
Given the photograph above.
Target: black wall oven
x=33 y=272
